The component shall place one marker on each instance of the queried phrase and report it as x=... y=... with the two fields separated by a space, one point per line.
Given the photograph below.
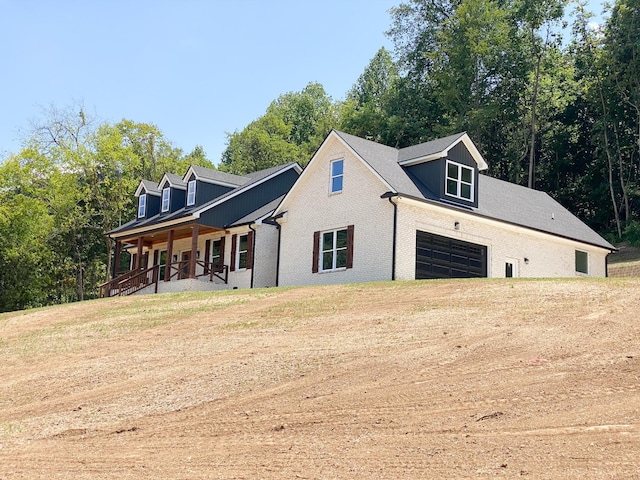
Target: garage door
x=443 y=257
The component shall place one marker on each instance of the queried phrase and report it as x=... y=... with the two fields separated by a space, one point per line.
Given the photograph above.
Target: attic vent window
x=459 y=182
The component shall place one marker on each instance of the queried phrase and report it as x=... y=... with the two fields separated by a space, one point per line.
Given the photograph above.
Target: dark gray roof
x=497 y=199
x=150 y=187
x=174 y=180
x=185 y=212
x=217 y=176
x=428 y=148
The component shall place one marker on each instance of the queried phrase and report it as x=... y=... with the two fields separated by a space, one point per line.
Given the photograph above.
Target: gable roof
x=174 y=181
x=149 y=187
x=192 y=213
x=497 y=199
x=214 y=176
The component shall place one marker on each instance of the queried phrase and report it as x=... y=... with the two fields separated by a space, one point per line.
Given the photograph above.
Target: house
x=362 y=211
x=204 y=230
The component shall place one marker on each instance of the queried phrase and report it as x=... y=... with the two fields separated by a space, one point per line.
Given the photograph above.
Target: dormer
x=204 y=185
x=148 y=195
x=172 y=193
x=449 y=167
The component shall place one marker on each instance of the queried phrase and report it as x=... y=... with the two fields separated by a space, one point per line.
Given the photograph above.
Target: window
x=459 y=182
x=191 y=193
x=333 y=250
x=243 y=241
x=337 y=175
x=241 y=251
x=582 y=262
x=142 y=205
x=216 y=255
x=166 y=194
x=511 y=268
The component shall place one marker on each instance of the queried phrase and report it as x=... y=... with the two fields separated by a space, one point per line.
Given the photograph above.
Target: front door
x=184 y=264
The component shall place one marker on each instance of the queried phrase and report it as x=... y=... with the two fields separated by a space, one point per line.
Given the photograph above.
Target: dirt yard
x=420 y=380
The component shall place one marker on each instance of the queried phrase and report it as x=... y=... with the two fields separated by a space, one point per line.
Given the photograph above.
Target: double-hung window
x=337 y=176
x=333 y=250
x=142 y=205
x=459 y=181
x=191 y=193
x=166 y=197
x=243 y=251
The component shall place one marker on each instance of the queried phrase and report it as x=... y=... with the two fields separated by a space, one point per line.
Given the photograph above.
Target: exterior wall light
x=526 y=260
x=456 y=225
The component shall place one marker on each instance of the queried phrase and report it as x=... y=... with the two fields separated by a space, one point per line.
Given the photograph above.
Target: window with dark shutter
x=333 y=250
x=234 y=242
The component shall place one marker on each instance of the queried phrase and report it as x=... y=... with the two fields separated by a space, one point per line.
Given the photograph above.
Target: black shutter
x=234 y=243
x=350 y=230
x=316 y=252
x=250 y=249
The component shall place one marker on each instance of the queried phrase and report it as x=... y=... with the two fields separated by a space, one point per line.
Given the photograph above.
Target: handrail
x=107 y=288
x=210 y=269
x=139 y=281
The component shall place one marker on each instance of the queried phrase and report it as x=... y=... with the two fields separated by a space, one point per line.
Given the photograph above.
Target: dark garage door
x=442 y=257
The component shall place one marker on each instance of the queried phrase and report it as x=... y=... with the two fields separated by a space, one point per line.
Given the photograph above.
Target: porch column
x=194 y=251
x=167 y=266
x=139 y=255
x=116 y=260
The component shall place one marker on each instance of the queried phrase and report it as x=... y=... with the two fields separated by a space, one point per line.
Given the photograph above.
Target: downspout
x=272 y=221
x=253 y=252
x=389 y=196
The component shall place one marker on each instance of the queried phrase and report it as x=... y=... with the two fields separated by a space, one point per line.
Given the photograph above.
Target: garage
x=443 y=257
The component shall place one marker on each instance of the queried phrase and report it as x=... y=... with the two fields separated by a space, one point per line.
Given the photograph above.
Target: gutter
x=253 y=252
x=389 y=196
x=273 y=221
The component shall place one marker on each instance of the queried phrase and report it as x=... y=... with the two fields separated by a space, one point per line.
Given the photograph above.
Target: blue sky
x=194 y=68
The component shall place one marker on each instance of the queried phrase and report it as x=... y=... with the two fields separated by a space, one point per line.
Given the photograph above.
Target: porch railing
x=135 y=280
x=181 y=268
x=140 y=280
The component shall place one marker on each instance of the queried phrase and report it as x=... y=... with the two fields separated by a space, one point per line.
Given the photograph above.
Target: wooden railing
x=140 y=280
x=135 y=280
x=209 y=269
x=110 y=288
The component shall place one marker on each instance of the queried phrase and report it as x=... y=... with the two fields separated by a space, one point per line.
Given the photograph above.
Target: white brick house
x=361 y=211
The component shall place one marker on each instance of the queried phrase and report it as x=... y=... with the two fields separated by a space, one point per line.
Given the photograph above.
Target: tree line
x=551 y=100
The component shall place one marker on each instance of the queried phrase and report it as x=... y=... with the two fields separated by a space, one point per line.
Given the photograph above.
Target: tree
x=365 y=111
x=291 y=130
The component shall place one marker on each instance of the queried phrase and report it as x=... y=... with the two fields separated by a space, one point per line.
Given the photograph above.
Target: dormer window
x=337 y=176
x=191 y=193
x=142 y=205
x=166 y=196
x=459 y=182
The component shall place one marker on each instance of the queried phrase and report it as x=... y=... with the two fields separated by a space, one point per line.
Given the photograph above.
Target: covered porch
x=169 y=254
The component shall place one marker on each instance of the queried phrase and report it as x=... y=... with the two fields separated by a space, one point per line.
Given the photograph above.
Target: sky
x=196 y=69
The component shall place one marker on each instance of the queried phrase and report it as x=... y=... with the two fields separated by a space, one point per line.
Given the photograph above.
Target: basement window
x=582 y=262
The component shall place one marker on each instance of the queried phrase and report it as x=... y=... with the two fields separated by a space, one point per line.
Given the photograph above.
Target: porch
x=170 y=269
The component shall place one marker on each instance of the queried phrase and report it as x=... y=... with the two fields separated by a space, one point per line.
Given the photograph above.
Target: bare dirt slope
x=446 y=379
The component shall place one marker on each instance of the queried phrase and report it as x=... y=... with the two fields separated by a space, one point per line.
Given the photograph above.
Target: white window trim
x=459 y=181
x=332 y=176
x=334 y=249
x=576 y=263
x=142 y=205
x=167 y=200
x=191 y=193
x=240 y=252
